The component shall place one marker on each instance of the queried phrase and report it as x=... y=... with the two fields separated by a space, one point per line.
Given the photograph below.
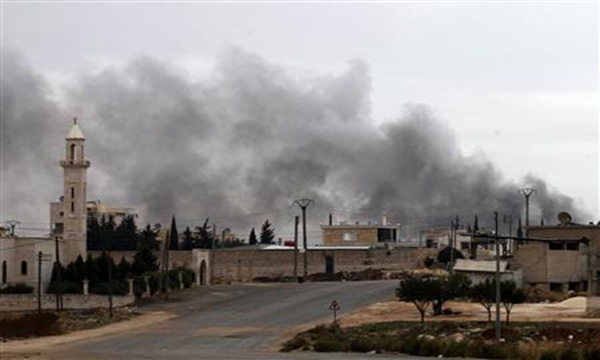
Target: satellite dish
x=564 y=218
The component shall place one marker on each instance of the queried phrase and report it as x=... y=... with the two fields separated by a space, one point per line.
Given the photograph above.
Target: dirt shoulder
x=570 y=310
x=22 y=348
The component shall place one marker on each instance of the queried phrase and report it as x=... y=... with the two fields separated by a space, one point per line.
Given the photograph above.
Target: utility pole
x=110 y=294
x=497 y=276
x=450 y=240
x=39 y=297
x=13 y=224
x=304 y=203
x=166 y=263
x=527 y=192
x=213 y=247
x=455 y=224
x=58 y=275
x=507 y=219
x=296 y=221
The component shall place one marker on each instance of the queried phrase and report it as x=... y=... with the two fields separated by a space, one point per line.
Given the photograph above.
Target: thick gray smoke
x=242 y=144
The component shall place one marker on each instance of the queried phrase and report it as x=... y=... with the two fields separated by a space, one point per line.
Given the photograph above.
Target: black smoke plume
x=240 y=144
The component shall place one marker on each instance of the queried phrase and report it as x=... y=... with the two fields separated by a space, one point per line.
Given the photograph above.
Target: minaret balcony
x=84 y=163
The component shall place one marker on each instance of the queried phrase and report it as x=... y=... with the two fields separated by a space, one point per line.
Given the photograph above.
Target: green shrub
x=30 y=325
x=118 y=288
x=456 y=349
x=66 y=287
x=331 y=345
x=19 y=288
x=569 y=354
x=550 y=354
x=299 y=342
x=363 y=344
x=592 y=353
x=427 y=347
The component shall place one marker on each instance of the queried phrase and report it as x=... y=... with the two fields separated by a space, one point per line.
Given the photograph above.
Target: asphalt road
x=234 y=322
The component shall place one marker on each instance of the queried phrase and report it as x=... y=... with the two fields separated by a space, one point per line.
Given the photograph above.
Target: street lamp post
x=304 y=203
x=527 y=192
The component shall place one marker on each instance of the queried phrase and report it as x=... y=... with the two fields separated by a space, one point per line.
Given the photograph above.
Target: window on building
x=4 y=270
x=558 y=287
x=72 y=206
x=23 y=267
x=386 y=235
x=72 y=192
x=431 y=243
x=556 y=245
x=72 y=155
x=573 y=246
x=350 y=237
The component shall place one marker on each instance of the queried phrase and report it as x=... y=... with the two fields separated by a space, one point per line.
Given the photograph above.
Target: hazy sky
x=517 y=83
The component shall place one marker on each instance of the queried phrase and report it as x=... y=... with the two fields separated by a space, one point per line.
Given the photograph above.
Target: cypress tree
x=252 y=237
x=174 y=236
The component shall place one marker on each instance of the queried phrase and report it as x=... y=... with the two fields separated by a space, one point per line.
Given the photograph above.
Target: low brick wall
x=242 y=265
x=26 y=302
x=593 y=306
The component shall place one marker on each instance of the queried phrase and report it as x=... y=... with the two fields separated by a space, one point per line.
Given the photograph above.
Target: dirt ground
x=570 y=310
x=20 y=349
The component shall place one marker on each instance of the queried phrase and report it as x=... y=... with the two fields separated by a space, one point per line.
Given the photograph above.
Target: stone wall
x=242 y=265
x=27 y=302
x=593 y=306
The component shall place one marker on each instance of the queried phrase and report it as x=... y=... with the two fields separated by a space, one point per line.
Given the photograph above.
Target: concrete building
x=97 y=209
x=482 y=270
x=19 y=260
x=357 y=234
x=561 y=257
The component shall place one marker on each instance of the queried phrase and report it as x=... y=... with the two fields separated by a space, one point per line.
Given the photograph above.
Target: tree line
x=433 y=292
x=104 y=234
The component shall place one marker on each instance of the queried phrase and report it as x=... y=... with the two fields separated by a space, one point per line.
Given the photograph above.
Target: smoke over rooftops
x=240 y=145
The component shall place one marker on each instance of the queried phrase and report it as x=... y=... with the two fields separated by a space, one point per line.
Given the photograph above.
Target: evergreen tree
x=476 y=224
x=519 y=229
x=102 y=265
x=125 y=235
x=107 y=232
x=267 y=233
x=174 y=236
x=147 y=239
x=123 y=270
x=76 y=271
x=252 y=237
x=93 y=233
x=204 y=236
x=144 y=261
x=91 y=270
x=188 y=239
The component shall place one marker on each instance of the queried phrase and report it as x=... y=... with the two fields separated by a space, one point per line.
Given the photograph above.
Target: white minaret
x=74 y=200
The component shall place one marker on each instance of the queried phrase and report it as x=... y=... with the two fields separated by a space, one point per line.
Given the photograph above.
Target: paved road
x=234 y=322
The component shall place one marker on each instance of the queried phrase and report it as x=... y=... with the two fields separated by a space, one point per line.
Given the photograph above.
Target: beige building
x=441 y=237
x=357 y=234
x=561 y=257
x=97 y=209
x=19 y=260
